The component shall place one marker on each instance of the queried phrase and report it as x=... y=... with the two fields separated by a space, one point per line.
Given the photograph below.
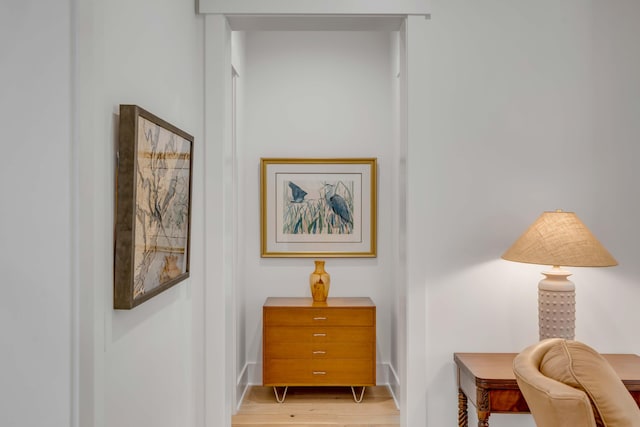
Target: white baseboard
x=242 y=385
x=394 y=384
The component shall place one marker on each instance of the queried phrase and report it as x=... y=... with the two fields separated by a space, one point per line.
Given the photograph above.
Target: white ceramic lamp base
x=556 y=305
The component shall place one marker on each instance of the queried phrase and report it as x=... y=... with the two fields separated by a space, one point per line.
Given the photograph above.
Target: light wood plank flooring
x=317 y=406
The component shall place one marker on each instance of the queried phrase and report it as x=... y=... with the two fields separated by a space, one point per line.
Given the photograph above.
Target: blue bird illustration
x=297 y=193
x=338 y=204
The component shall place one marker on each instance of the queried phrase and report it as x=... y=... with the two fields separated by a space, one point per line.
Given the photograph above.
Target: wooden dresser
x=319 y=344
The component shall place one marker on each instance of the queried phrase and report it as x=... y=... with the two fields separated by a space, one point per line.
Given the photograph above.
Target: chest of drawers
x=319 y=344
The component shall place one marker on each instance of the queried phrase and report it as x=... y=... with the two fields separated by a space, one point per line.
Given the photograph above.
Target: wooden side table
x=487 y=380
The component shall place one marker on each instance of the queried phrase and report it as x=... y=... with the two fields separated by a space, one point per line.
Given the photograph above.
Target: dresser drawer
x=309 y=334
x=320 y=351
x=292 y=316
x=336 y=372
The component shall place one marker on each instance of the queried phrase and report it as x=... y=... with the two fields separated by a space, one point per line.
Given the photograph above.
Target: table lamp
x=558 y=239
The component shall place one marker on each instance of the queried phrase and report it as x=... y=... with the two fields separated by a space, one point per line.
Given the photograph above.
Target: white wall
x=316 y=94
x=520 y=107
x=37 y=214
x=524 y=107
x=142 y=366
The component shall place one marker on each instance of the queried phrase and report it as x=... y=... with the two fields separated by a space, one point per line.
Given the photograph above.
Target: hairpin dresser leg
x=284 y=394
x=356 y=398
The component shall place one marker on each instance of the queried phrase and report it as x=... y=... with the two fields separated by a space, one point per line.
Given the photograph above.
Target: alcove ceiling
x=315 y=22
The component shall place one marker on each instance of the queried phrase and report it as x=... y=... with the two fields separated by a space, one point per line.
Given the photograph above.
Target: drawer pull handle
x=319 y=318
x=319 y=335
x=319 y=352
x=319 y=373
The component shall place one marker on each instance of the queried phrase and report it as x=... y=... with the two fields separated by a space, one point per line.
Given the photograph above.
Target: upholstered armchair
x=569 y=384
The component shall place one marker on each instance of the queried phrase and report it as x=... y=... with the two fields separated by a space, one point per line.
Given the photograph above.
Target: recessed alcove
x=310 y=87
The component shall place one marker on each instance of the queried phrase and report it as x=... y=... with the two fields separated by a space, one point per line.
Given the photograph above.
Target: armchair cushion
x=580 y=366
x=552 y=403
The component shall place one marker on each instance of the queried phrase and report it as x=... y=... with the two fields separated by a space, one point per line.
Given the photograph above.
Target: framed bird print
x=318 y=207
x=153 y=207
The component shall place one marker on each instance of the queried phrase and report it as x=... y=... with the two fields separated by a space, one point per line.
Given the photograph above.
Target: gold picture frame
x=318 y=207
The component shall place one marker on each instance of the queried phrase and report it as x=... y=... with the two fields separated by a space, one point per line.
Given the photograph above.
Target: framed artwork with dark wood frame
x=153 y=207
x=318 y=207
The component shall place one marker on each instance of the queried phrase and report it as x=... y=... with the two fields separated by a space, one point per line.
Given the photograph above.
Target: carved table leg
x=463 y=421
x=483 y=408
x=483 y=419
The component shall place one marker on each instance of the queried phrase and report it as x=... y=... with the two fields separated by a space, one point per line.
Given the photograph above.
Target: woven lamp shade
x=559 y=239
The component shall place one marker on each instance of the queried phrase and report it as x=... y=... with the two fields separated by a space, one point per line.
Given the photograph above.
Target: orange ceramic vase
x=319 y=282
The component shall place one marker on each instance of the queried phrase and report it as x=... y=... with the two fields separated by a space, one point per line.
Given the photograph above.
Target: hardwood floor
x=317 y=406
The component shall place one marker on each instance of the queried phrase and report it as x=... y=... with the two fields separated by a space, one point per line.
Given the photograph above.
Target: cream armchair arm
x=552 y=403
